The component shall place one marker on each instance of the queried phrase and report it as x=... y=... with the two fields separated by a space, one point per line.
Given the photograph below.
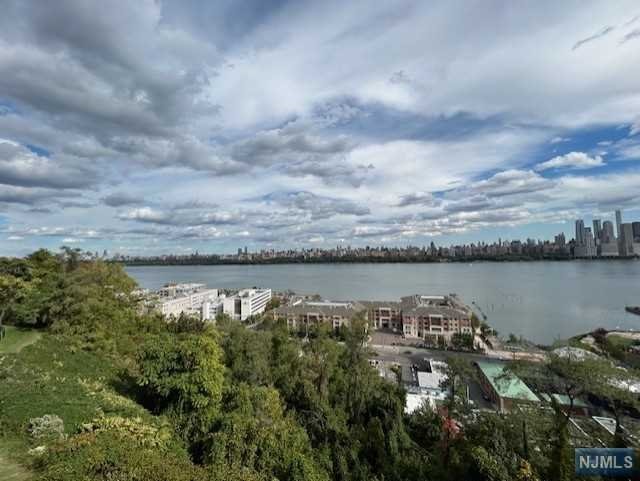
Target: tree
x=425 y=427
x=273 y=303
x=187 y=323
x=183 y=376
x=457 y=369
x=254 y=433
x=561 y=466
x=246 y=354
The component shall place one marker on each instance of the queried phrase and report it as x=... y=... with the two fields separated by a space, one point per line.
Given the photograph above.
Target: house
x=580 y=408
x=504 y=388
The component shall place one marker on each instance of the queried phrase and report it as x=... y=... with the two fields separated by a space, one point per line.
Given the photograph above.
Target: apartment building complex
x=430 y=318
x=307 y=313
x=384 y=314
x=197 y=299
x=246 y=303
x=435 y=317
x=175 y=299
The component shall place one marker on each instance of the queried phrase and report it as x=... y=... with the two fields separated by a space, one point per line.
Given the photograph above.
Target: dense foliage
x=131 y=397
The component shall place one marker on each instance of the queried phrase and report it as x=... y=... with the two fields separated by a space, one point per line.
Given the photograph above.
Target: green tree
x=561 y=466
x=246 y=354
x=183 y=377
x=254 y=433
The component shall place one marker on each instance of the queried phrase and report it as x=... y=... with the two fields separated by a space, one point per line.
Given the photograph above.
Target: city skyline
x=198 y=126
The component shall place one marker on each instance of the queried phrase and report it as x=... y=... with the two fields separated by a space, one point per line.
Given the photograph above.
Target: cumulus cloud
x=159 y=122
x=511 y=182
x=572 y=160
x=418 y=198
x=28 y=196
x=21 y=167
x=119 y=199
x=178 y=217
x=318 y=207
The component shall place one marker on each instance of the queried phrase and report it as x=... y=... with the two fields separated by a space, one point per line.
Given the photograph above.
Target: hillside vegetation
x=107 y=393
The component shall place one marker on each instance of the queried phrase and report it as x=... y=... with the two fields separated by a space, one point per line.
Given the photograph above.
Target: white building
x=246 y=303
x=180 y=290
x=176 y=299
x=211 y=308
x=431 y=381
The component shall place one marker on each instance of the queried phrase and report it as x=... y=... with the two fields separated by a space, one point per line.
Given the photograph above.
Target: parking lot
x=407 y=356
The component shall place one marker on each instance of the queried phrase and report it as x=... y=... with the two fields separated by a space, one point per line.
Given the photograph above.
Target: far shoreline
x=271 y=262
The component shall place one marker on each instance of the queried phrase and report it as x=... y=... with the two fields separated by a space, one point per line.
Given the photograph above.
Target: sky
x=153 y=127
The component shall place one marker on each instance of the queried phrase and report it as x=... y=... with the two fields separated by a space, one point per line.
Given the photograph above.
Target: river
x=542 y=301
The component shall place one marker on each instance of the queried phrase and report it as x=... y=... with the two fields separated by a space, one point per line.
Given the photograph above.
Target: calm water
x=541 y=301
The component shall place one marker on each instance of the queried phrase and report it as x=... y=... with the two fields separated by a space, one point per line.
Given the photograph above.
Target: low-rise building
x=174 y=290
x=212 y=307
x=179 y=299
x=384 y=314
x=609 y=249
x=307 y=313
x=579 y=407
x=429 y=318
x=433 y=318
x=431 y=379
x=504 y=388
x=246 y=303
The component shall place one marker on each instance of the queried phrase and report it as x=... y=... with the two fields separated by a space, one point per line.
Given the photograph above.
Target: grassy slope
x=10 y=471
x=16 y=339
x=49 y=378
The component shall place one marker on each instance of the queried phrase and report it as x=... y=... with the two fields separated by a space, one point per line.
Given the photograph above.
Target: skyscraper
x=635 y=227
x=618 y=222
x=607 y=232
x=589 y=243
x=626 y=240
x=597 y=231
x=580 y=234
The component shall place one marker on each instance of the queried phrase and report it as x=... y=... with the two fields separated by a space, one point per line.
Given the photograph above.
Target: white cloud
x=572 y=160
x=145 y=106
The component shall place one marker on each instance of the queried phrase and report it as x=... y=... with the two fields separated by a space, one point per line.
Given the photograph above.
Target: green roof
x=564 y=400
x=505 y=383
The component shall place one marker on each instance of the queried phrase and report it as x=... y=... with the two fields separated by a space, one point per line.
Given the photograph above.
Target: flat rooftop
x=505 y=383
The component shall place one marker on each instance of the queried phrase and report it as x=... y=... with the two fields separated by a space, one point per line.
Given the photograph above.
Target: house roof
x=505 y=383
x=564 y=400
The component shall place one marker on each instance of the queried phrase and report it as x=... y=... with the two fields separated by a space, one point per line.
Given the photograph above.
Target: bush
x=105 y=455
x=48 y=426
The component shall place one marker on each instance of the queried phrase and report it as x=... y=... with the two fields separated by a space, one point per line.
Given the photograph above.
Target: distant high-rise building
x=560 y=240
x=626 y=240
x=618 y=222
x=597 y=230
x=585 y=245
x=607 y=232
x=635 y=227
x=589 y=243
x=580 y=234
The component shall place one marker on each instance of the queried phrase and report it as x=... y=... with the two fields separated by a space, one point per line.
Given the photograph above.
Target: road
x=420 y=353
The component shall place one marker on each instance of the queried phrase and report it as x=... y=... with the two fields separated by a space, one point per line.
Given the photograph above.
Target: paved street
x=396 y=343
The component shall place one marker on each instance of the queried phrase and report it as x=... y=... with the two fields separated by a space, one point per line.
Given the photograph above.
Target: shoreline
x=271 y=262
